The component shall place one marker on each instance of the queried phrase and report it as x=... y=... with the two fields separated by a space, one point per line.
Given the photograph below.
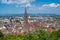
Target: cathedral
x=28 y=27
x=25 y=23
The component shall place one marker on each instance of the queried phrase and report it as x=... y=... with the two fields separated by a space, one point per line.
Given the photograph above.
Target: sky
x=32 y=6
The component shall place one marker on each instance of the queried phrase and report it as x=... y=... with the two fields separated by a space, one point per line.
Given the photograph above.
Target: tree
x=17 y=21
x=58 y=34
x=43 y=35
x=1 y=34
x=13 y=37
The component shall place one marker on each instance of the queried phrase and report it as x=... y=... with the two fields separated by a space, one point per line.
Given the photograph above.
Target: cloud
x=53 y=5
x=26 y=3
x=50 y=8
x=16 y=1
x=46 y=8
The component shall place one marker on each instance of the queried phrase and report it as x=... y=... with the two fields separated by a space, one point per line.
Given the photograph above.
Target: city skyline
x=33 y=6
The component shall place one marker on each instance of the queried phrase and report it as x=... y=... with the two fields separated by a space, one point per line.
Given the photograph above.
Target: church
x=29 y=26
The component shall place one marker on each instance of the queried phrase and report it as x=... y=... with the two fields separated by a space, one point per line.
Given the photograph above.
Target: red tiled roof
x=17 y=23
x=38 y=24
x=31 y=24
x=1 y=25
x=34 y=24
x=4 y=30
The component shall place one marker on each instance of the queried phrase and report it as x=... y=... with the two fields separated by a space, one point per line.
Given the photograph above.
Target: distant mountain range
x=39 y=14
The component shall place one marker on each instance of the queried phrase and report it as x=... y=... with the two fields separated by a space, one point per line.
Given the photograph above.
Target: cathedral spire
x=25 y=16
x=25 y=10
